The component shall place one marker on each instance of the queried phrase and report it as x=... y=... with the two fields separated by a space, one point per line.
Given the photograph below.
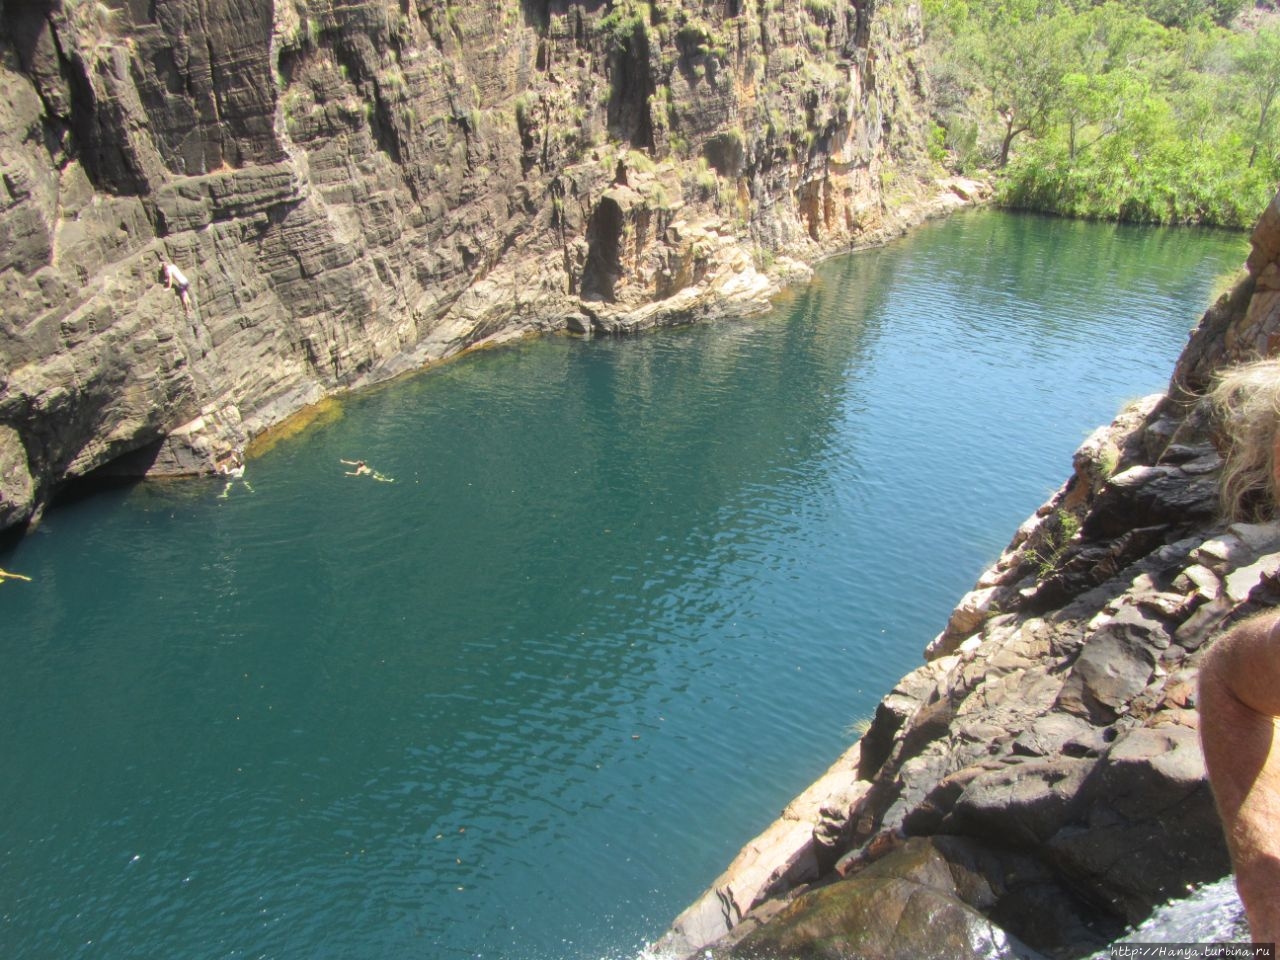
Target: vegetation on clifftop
x=1144 y=110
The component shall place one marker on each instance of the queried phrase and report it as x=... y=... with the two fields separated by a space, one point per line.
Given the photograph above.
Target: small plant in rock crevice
x=1061 y=529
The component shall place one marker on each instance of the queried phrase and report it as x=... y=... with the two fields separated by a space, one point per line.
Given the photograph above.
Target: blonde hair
x=1246 y=402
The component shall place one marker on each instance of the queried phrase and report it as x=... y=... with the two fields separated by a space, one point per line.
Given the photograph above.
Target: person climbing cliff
x=1240 y=675
x=175 y=278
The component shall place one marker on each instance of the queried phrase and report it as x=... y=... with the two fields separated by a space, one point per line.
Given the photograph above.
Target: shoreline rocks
x=1036 y=786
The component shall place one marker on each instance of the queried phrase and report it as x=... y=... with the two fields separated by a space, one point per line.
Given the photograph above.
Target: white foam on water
x=1211 y=914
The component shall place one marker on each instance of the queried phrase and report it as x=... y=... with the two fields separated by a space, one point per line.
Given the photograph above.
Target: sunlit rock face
x=355 y=189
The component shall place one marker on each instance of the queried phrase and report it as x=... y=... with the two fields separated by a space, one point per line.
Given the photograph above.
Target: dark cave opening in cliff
x=113 y=475
x=124 y=470
x=602 y=269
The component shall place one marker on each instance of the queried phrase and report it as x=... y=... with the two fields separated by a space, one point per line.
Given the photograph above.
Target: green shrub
x=621 y=24
x=937 y=143
x=1143 y=112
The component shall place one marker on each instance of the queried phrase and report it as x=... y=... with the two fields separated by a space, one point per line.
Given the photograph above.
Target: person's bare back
x=1239 y=699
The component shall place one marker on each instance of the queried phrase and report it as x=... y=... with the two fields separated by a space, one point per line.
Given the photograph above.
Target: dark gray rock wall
x=357 y=188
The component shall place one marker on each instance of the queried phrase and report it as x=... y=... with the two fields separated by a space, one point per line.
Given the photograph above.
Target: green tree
x=1023 y=65
x=1102 y=110
x=1095 y=107
x=1258 y=71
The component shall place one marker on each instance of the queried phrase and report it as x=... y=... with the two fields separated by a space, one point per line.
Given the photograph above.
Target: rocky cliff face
x=1037 y=785
x=357 y=188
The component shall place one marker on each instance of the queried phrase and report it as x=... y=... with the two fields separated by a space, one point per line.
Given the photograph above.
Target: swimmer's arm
x=1239 y=709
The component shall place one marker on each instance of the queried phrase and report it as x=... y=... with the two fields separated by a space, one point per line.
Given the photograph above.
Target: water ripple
x=619 y=605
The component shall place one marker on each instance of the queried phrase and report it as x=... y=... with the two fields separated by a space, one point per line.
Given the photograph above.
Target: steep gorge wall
x=358 y=188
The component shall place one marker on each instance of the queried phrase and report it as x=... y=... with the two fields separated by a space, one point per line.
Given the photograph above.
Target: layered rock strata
x=1036 y=786
x=357 y=188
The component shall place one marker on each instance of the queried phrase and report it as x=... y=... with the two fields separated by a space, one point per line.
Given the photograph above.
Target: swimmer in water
x=363 y=469
x=233 y=469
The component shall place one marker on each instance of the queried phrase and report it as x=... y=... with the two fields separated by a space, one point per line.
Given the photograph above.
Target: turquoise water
x=624 y=599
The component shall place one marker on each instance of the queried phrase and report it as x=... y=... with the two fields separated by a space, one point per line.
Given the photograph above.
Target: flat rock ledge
x=732 y=285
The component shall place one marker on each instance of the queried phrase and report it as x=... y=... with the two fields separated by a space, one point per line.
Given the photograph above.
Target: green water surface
x=624 y=599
